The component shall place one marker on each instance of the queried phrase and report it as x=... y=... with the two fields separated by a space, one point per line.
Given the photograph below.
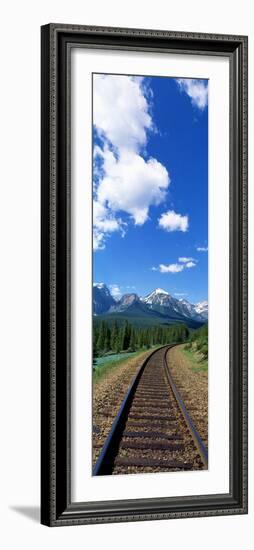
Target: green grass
x=111 y=358
x=198 y=364
x=104 y=365
x=106 y=359
x=107 y=364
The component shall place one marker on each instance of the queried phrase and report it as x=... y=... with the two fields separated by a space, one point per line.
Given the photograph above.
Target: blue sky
x=150 y=213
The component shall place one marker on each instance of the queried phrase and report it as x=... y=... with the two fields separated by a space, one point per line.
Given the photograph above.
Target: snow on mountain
x=160 y=291
x=202 y=309
x=189 y=310
x=195 y=311
x=158 y=296
x=159 y=300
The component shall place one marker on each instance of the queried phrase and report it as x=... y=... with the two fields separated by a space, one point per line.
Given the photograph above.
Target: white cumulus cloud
x=185 y=263
x=171 y=268
x=185 y=260
x=126 y=182
x=131 y=184
x=115 y=291
x=121 y=110
x=104 y=223
x=196 y=89
x=171 y=221
x=202 y=248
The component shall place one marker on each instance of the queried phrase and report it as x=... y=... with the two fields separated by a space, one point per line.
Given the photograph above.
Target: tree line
x=116 y=338
x=198 y=341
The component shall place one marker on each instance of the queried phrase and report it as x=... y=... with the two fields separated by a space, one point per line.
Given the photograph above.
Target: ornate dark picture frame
x=56 y=506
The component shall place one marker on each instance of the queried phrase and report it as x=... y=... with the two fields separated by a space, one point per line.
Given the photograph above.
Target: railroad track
x=153 y=431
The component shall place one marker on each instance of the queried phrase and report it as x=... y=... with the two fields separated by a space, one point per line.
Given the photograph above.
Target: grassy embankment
x=196 y=349
x=105 y=365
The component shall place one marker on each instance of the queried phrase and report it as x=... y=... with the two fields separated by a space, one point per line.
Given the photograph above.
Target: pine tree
x=107 y=346
x=126 y=336
x=119 y=344
x=114 y=337
x=133 y=340
x=101 y=337
x=121 y=338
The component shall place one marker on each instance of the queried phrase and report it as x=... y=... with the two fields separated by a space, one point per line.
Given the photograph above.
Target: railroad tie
x=152 y=435
x=152 y=463
x=138 y=406
x=152 y=446
x=151 y=417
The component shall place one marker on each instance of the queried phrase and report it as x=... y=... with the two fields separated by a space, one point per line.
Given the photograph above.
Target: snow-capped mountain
x=202 y=309
x=102 y=298
x=163 y=299
x=193 y=311
x=158 y=296
x=158 y=303
x=187 y=309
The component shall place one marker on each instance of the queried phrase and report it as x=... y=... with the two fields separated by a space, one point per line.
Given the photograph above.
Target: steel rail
x=104 y=463
x=201 y=448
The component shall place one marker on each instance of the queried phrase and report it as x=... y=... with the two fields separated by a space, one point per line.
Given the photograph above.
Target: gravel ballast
x=192 y=384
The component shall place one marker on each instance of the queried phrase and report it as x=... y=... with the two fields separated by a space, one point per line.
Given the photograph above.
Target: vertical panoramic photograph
x=150 y=274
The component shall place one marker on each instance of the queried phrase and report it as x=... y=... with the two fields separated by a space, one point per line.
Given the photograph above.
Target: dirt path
x=193 y=387
x=108 y=394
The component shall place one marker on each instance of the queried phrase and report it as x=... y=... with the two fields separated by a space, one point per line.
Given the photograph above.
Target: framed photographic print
x=144 y=275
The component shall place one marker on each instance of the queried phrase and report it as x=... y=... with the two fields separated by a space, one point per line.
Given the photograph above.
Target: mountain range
x=158 y=307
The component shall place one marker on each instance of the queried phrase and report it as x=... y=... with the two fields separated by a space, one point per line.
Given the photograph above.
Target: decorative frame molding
x=56 y=506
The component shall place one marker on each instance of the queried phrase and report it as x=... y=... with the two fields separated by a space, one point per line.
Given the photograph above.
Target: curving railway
x=153 y=431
